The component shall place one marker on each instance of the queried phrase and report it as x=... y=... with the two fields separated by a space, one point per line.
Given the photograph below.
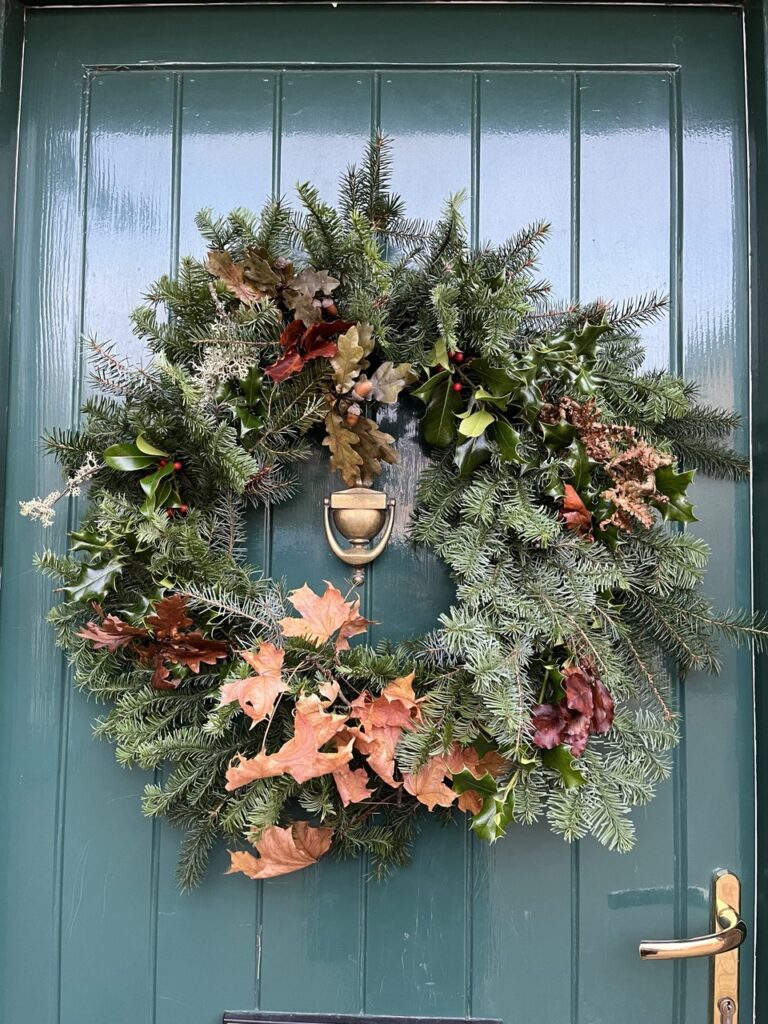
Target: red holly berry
x=163 y=463
x=177 y=466
x=458 y=357
x=169 y=513
x=184 y=509
x=457 y=386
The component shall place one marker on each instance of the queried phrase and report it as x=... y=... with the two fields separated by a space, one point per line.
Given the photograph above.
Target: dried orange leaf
x=321 y=617
x=282 y=850
x=257 y=693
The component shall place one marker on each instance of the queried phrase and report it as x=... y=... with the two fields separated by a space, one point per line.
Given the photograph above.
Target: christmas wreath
x=557 y=462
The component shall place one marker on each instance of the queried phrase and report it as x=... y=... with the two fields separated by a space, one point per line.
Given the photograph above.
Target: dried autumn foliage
x=256 y=694
x=320 y=618
x=586 y=709
x=429 y=787
x=168 y=640
x=577 y=516
x=301 y=343
x=282 y=850
x=300 y=757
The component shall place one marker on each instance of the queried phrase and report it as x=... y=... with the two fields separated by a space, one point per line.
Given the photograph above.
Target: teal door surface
x=623 y=127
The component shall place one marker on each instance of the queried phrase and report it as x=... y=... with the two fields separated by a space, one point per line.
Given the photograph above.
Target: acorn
x=353 y=414
x=363 y=388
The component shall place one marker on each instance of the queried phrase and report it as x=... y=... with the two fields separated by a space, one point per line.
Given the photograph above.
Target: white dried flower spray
x=43 y=508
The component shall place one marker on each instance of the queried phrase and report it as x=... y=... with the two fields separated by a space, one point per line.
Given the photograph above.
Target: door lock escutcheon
x=722 y=945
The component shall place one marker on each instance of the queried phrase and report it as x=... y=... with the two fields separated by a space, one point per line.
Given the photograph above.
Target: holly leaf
x=299 y=757
x=374 y=447
x=495 y=814
x=257 y=694
x=427 y=388
x=470 y=454
x=282 y=850
x=560 y=759
x=94 y=581
x=89 y=540
x=498 y=382
x=439 y=354
x=322 y=617
x=151 y=486
x=674 y=485
x=389 y=380
x=428 y=784
x=476 y=423
x=346 y=362
x=127 y=457
x=343 y=442
x=149 y=449
x=439 y=421
x=222 y=266
x=507 y=440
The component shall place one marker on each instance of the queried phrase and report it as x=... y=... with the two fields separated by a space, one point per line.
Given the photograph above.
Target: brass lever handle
x=730 y=933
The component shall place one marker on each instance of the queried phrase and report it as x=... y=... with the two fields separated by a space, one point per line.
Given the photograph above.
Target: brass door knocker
x=359 y=514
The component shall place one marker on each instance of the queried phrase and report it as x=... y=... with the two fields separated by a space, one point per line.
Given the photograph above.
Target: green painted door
x=625 y=129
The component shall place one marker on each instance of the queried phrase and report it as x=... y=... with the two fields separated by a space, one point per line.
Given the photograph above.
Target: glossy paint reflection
x=614 y=130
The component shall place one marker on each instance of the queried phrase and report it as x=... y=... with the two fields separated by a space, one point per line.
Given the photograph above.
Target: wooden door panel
x=610 y=125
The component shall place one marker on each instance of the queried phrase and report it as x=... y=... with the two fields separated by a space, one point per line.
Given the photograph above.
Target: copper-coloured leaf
x=257 y=693
x=282 y=850
x=221 y=265
x=322 y=617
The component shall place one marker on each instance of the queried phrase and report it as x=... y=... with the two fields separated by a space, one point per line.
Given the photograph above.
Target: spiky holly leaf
x=300 y=757
x=282 y=850
x=94 y=581
x=343 y=444
x=470 y=454
x=560 y=759
x=320 y=618
x=674 y=486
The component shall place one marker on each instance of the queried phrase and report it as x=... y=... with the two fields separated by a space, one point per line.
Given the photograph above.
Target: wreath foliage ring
x=555 y=460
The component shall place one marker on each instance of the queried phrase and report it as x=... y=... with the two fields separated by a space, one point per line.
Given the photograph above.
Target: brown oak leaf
x=389 y=380
x=166 y=643
x=300 y=757
x=222 y=266
x=111 y=633
x=586 y=709
x=373 y=447
x=282 y=850
x=257 y=694
x=322 y=617
x=308 y=294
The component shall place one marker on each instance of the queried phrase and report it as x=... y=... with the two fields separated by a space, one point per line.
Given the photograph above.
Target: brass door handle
x=722 y=945
x=731 y=937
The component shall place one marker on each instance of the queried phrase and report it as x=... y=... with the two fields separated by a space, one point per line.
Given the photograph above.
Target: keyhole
x=727 y=1008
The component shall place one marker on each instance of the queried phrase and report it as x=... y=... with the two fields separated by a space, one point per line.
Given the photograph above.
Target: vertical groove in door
x=72 y=515
x=575 y=909
x=575 y=184
x=474 y=134
x=680 y=839
x=177 y=117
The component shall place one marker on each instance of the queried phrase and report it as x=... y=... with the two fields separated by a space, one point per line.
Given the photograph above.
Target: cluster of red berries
x=457 y=357
x=177 y=467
